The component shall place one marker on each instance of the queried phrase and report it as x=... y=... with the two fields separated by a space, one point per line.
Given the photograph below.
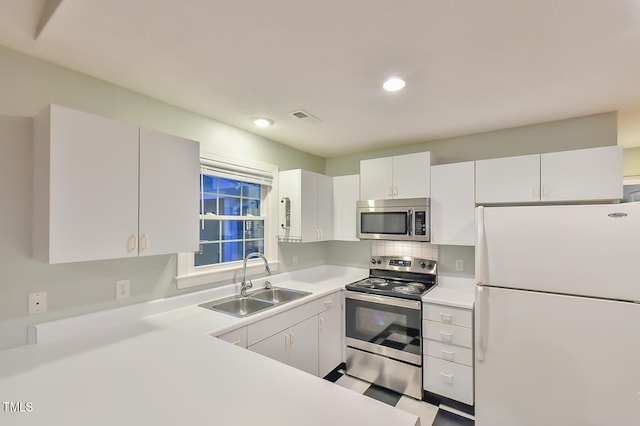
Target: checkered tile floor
x=429 y=414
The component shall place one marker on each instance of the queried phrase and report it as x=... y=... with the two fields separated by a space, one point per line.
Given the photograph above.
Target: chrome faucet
x=245 y=286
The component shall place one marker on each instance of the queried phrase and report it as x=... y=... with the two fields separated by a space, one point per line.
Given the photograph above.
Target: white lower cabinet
x=296 y=346
x=448 y=352
x=330 y=337
x=237 y=337
x=308 y=337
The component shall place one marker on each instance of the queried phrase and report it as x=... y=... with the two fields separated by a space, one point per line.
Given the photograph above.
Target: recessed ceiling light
x=262 y=122
x=393 y=84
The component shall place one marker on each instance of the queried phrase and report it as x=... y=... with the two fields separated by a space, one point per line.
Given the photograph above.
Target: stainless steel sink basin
x=278 y=295
x=238 y=306
x=254 y=302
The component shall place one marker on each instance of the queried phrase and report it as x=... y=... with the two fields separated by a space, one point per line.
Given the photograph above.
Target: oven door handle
x=384 y=300
x=410 y=222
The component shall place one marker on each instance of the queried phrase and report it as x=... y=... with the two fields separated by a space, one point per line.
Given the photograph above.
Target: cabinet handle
x=446 y=317
x=287 y=342
x=321 y=324
x=536 y=191
x=291 y=336
x=446 y=335
x=447 y=376
x=328 y=303
x=545 y=190
x=449 y=355
x=132 y=244
x=144 y=242
x=390 y=192
x=395 y=190
x=236 y=342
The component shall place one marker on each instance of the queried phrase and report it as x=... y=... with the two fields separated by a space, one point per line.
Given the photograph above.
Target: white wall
x=26 y=86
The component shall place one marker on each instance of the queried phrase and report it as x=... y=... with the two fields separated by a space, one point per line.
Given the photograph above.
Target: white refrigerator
x=557 y=315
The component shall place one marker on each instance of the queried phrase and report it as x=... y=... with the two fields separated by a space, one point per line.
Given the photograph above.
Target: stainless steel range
x=384 y=323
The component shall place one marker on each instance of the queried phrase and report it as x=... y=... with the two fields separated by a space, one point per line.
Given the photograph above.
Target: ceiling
x=470 y=66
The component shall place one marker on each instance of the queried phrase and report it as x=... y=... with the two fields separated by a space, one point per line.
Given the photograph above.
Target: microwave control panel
x=420 y=223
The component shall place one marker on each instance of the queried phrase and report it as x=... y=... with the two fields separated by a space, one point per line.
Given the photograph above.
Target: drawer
x=448 y=379
x=445 y=333
x=329 y=301
x=238 y=337
x=447 y=352
x=447 y=314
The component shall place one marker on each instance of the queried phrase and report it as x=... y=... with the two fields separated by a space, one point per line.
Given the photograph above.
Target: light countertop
x=158 y=364
x=452 y=291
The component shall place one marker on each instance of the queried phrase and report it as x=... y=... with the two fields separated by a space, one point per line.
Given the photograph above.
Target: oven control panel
x=404 y=263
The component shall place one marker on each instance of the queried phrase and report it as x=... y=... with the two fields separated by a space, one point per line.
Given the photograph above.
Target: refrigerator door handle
x=482 y=324
x=480 y=245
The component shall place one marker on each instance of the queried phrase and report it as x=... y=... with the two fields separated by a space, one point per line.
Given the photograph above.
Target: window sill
x=231 y=273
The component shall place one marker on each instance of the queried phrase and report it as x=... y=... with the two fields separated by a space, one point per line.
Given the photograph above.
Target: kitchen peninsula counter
x=157 y=363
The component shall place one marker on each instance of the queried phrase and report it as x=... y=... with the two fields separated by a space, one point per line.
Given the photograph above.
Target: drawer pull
x=236 y=342
x=446 y=317
x=328 y=303
x=447 y=376
x=449 y=355
x=446 y=335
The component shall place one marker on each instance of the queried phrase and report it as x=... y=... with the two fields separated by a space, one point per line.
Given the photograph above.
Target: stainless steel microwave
x=396 y=219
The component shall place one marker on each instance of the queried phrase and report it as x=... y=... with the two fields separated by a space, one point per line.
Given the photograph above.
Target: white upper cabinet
x=306 y=206
x=508 y=180
x=453 y=204
x=592 y=174
x=169 y=194
x=402 y=176
x=585 y=174
x=87 y=185
x=346 y=190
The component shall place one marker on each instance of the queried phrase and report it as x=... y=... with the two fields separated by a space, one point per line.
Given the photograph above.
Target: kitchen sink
x=278 y=295
x=254 y=302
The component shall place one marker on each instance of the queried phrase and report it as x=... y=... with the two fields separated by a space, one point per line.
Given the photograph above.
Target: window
x=237 y=217
x=231 y=223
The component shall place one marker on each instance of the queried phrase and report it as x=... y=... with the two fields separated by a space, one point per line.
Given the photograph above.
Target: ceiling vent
x=305 y=116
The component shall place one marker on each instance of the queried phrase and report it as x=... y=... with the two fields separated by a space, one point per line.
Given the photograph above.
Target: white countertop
x=452 y=291
x=157 y=364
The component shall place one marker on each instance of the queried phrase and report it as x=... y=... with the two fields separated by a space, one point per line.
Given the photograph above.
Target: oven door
x=382 y=325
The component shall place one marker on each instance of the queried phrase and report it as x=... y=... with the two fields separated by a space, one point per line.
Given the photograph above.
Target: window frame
x=188 y=275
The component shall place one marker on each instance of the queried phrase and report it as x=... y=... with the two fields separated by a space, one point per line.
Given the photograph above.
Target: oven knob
x=379 y=262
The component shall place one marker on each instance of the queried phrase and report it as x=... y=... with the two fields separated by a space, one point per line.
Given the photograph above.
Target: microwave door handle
x=410 y=222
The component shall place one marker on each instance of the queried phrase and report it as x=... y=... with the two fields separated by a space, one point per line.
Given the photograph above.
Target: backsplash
x=404 y=248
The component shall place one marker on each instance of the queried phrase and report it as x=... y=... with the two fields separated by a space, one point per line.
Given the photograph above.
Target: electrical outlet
x=122 y=289
x=459 y=265
x=37 y=302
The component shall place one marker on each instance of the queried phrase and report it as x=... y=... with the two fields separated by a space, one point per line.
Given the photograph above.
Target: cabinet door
x=376 y=178
x=584 y=174
x=346 y=190
x=169 y=172
x=412 y=175
x=325 y=207
x=303 y=346
x=310 y=206
x=453 y=204
x=508 y=180
x=274 y=347
x=330 y=340
x=86 y=187
x=237 y=337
